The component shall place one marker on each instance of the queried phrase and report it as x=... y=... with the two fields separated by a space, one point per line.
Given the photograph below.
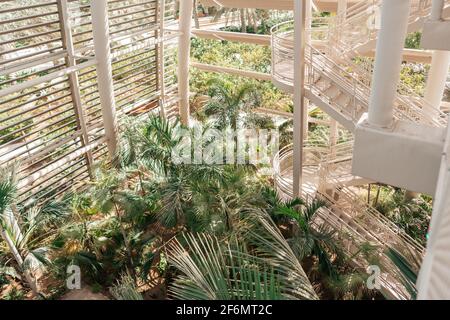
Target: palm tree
x=310 y=240
x=27 y=231
x=189 y=195
x=110 y=195
x=125 y=289
x=227 y=102
x=255 y=263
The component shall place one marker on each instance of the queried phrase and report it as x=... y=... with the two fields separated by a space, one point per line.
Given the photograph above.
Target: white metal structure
x=71 y=69
x=397 y=124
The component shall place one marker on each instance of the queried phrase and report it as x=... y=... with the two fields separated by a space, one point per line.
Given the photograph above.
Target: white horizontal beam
x=71 y=157
x=54 y=75
x=232 y=36
x=257 y=4
x=233 y=71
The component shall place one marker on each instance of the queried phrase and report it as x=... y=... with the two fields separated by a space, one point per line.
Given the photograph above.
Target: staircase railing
x=352 y=230
x=411 y=103
x=320 y=157
x=359 y=24
x=404 y=108
x=352 y=79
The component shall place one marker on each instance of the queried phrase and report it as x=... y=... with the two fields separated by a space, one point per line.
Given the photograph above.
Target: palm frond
x=407 y=273
x=215 y=271
x=125 y=289
x=270 y=243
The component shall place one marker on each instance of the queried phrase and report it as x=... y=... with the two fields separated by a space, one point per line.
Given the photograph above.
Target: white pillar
x=67 y=40
x=100 y=30
x=388 y=58
x=437 y=78
x=334 y=135
x=308 y=19
x=299 y=80
x=184 y=47
x=342 y=10
x=432 y=282
x=436 y=9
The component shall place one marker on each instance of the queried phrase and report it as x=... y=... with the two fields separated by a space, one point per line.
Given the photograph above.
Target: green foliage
x=307 y=240
x=214 y=270
x=125 y=289
x=413 y=40
x=228 y=102
x=240 y=56
x=407 y=271
x=413 y=216
x=27 y=231
x=14 y=294
x=413 y=76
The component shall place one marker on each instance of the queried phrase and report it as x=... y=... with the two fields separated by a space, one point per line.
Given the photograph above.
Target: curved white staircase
x=340 y=88
x=325 y=177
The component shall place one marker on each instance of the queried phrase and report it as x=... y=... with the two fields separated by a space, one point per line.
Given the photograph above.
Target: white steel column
x=437 y=77
x=334 y=132
x=436 y=9
x=342 y=10
x=100 y=30
x=433 y=277
x=67 y=40
x=440 y=63
x=388 y=58
x=334 y=135
x=433 y=281
x=308 y=23
x=184 y=46
x=299 y=80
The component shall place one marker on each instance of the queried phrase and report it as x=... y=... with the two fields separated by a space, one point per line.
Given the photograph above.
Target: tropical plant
x=125 y=289
x=253 y=264
x=407 y=271
x=228 y=102
x=412 y=215
x=309 y=239
x=27 y=231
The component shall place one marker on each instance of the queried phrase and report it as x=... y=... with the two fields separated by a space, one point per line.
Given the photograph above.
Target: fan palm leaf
x=213 y=270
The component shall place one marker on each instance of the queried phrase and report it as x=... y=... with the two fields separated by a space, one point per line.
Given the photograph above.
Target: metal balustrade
x=348 y=78
x=356 y=223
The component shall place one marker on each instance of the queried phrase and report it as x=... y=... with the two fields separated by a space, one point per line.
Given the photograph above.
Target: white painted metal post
x=184 y=46
x=161 y=64
x=437 y=78
x=74 y=83
x=437 y=8
x=334 y=135
x=308 y=24
x=388 y=58
x=334 y=132
x=299 y=80
x=433 y=281
x=342 y=11
x=100 y=30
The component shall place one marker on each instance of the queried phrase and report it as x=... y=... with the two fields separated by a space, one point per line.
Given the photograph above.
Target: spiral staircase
x=326 y=176
x=340 y=87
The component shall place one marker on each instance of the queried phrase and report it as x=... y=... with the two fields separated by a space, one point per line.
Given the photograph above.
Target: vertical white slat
x=161 y=65
x=299 y=83
x=67 y=40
